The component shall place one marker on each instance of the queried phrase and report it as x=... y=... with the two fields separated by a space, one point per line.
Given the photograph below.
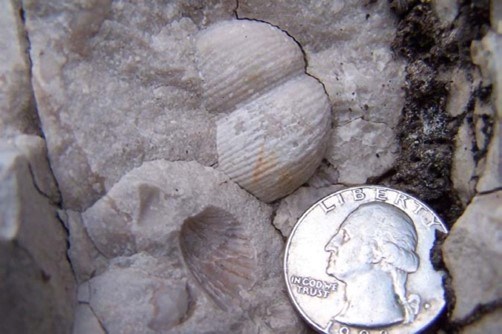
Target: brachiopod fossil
x=191 y=250
x=274 y=137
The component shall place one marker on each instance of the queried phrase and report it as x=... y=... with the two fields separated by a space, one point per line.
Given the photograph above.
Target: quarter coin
x=358 y=261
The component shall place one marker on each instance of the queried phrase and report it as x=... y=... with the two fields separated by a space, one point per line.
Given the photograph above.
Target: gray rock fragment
x=491 y=177
x=86 y=260
x=473 y=252
x=463 y=167
x=37 y=290
x=293 y=206
x=362 y=149
x=86 y=322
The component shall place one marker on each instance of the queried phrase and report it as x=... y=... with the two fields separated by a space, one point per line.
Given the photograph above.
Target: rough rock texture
x=473 y=254
x=34 y=150
x=464 y=165
x=362 y=141
x=116 y=84
x=292 y=207
x=16 y=95
x=37 y=290
x=183 y=242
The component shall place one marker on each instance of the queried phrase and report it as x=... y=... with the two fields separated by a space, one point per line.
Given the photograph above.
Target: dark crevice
x=487 y=192
x=478 y=313
x=275 y=207
x=67 y=255
x=426 y=131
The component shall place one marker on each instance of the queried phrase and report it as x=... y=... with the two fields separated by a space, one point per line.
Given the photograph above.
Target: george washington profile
x=372 y=252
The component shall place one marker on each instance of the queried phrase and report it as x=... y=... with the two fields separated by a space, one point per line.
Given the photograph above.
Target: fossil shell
x=218 y=251
x=273 y=144
x=239 y=59
x=275 y=135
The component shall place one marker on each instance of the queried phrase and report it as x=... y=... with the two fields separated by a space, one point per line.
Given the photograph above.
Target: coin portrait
x=358 y=261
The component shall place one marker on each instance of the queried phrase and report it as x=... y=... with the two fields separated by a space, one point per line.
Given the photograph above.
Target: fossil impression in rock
x=185 y=242
x=274 y=133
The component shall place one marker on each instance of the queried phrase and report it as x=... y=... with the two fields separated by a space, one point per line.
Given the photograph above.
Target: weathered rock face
x=292 y=207
x=37 y=290
x=473 y=254
x=183 y=242
x=116 y=84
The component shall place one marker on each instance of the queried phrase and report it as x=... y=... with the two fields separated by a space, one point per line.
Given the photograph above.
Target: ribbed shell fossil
x=218 y=252
x=239 y=59
x=274 y=137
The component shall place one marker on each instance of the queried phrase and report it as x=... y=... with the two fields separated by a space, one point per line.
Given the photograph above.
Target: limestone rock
x=185 y=242
x=325 y=175
x=292 y=207
x=17 y=113
x=486 y=53
x=491 y=177
x=116 y=84
x=460 y=89
x=34 y=149
x=463 y=169
x=489 y=324
x=86 y=260
x=483 y=117
x=473 y=253
x=37 y=290
x=362 y=149
x=86 y=322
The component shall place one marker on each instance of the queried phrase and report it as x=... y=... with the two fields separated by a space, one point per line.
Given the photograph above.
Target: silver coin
x=358 y=261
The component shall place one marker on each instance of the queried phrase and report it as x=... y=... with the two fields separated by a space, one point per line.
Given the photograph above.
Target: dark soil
x=426 y=131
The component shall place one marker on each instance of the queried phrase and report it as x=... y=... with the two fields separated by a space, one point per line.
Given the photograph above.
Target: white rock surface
x=17 y=114
x=473 y=252
x=362 y=149
x=189 y=252
x=292 y=207
x=116 y=84
x=461 y=88
x=37 y=290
